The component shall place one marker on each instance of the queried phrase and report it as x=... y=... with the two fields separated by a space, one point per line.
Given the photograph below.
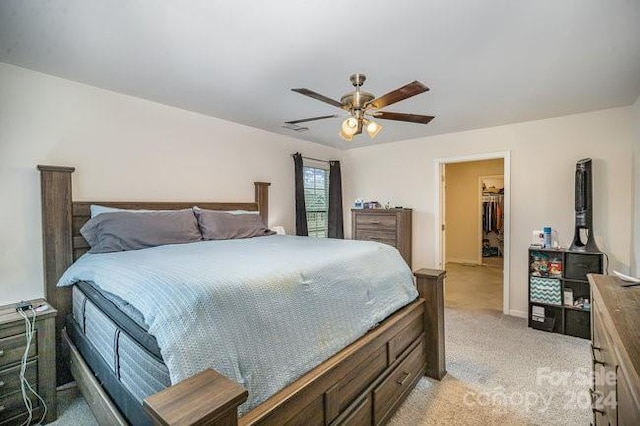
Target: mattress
x=230 y=305
x=126 y=366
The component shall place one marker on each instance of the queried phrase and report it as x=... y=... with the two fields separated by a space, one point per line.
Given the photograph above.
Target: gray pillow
x=122 y=231
x=219 y=225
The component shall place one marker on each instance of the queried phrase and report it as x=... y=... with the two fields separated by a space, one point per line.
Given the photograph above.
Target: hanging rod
x=314 y=159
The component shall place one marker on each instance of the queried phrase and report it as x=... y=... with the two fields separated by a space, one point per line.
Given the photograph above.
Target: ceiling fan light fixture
x=350 y=126
x=373 y=129
x=345 y=136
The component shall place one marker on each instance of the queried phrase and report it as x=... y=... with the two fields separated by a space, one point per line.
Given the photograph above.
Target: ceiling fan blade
x=318 y=96
x=398 y=116
x=304 y=120
x=398 y=95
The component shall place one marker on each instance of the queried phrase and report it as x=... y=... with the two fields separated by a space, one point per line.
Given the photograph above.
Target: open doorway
x=473 y=230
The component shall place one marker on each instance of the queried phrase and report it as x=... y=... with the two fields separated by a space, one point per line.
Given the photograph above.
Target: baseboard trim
x=519 y=314
x=463 y=261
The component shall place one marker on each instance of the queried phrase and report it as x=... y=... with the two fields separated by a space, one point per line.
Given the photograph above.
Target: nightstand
x=41 y=364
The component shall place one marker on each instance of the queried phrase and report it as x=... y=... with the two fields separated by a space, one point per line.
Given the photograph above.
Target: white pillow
x=97 y=209
x=232 y=211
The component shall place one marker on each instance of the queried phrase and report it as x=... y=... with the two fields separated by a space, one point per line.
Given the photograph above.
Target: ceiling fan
x=363 y=105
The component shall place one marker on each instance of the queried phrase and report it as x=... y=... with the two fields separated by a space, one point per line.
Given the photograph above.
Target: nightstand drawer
x=13 y=404
x=12 y=348
x=10 y=377
x=376 y=221
x=379 y=236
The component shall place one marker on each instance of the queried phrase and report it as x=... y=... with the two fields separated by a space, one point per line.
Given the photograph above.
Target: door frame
x=439 y=212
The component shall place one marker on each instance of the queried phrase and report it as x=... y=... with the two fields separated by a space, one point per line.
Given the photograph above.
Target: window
x=316 y=199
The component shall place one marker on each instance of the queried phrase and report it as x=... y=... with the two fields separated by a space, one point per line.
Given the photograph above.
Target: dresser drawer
x=379 y=236
x=12 y=405
x=10 y=377
x=12 y=348
x=376 y=221
x=398 y=382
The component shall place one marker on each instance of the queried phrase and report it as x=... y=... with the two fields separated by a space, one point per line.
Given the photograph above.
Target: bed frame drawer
x=399 y=343
x=339 y=396
x=399 y=382
x=361 y=414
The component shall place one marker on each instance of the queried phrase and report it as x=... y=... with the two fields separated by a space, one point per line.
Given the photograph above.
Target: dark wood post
x=262 y=198
x=57 y=251
x=430 y=283
x=208 y=398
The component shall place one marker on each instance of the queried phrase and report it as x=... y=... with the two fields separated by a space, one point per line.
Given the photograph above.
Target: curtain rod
x=314 y=159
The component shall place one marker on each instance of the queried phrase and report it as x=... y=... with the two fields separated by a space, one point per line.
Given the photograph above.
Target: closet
x=492 y=188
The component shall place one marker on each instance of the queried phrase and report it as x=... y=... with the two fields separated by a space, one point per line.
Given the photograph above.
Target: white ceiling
x=487 y=63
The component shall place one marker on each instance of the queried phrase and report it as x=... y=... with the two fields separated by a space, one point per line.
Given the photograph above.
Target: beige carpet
x=502 y=373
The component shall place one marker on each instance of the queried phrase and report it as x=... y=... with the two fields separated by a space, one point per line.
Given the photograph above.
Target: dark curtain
x=301 y=210
x=336 y=229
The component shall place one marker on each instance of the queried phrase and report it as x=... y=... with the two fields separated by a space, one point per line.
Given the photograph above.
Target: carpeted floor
x=502 y=373
x=73 y=409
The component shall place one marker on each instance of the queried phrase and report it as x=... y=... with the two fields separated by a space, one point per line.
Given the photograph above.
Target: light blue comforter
x=261 y=311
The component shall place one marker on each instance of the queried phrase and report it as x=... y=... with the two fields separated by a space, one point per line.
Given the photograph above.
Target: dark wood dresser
x=389 y=226
x=615 y=351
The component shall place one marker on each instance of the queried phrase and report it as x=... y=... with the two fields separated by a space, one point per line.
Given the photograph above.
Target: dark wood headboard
x=62 y=243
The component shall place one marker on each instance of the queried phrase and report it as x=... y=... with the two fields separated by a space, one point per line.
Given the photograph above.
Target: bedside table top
x=8 y=313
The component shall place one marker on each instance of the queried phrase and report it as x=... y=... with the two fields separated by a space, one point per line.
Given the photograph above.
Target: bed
x=362 y=383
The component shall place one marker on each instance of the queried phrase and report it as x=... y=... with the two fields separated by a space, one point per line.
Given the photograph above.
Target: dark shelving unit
x=551 y=273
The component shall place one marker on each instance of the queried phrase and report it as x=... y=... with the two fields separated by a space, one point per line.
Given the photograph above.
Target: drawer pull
x=375 y=238
x=1 y=384
x=375 y=222
x=1 y=352
x=404 y=378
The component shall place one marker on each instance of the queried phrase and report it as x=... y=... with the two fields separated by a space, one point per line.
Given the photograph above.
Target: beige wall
x=543 y=157
x=463 y=208
x=123 y=148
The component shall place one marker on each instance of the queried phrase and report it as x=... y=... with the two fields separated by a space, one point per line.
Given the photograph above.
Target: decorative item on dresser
x=559 y=298
x=38 y=369
x=389 y=226
x=616 y=352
